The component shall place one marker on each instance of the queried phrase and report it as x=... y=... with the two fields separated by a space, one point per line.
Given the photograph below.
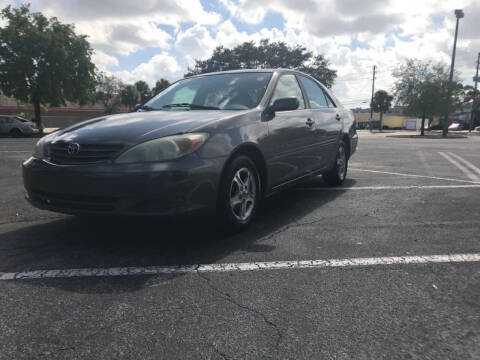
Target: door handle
x=310 y=122
x=338 y=117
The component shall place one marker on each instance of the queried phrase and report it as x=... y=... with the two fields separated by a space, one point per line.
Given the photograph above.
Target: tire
x=15 y=132
x=239 y=194
x=338 y=173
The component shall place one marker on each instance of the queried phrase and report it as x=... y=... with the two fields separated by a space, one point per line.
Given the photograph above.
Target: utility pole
x=459 y=15
x=474 y=93
x=373 y=94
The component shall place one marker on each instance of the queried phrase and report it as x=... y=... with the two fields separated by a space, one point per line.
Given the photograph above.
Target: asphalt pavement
x=385 y=280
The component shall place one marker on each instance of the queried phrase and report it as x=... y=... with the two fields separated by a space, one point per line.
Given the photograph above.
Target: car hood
x=137 y=127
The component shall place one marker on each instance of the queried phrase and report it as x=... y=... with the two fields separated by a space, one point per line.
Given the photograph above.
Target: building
x=61 y=116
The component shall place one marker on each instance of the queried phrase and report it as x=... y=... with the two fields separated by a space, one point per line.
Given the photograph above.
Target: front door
x=289 y=147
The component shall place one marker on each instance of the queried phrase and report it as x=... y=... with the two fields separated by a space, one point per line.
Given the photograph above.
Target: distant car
x=477 y=128
x=455 y=127
x=17 y=126
x=220 y=141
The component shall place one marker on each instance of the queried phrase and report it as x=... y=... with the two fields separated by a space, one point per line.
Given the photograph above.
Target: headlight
x=42 y=148
x=163 y=149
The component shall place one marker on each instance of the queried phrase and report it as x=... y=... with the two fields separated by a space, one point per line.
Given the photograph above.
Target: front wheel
x=338 y=173
x=15 y=133
x=239 y=194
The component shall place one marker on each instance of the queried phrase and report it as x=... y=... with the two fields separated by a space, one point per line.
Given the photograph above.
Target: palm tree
x=382 y=102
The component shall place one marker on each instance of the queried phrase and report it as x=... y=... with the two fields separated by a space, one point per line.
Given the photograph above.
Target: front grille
x=87 y=154
x=74 y=202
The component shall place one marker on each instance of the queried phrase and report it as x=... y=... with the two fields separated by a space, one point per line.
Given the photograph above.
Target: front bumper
x=182 y=186
x=30 y=131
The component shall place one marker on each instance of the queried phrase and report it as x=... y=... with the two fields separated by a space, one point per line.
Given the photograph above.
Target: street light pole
x=459 y=14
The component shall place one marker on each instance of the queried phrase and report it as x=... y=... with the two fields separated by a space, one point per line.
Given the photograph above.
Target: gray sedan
x=218 y=142
x=17 y=126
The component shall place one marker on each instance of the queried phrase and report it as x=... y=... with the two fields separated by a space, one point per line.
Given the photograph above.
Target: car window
x=315 y=94
x=185 y=95
x=21 y=119
x=329 y=101
x=235 y=91
x=287 y=86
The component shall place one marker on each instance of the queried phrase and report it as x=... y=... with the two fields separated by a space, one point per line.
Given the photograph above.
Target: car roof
x=279 y=70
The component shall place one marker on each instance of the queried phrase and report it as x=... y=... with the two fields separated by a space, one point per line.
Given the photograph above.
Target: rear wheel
x=338 y=173
x=239 y=194
x=15 y=132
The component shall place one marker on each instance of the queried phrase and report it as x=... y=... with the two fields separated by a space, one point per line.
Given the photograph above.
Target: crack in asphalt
x=221 y=354
x=229 y=299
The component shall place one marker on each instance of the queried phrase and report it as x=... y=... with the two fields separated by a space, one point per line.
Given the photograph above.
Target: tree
x=473 y=102
x=108 y=92
x=381 y=102
x=144 y=90
x=161 y=85
x=43 y=61
x=422 y=88
x=130 y=96
x=266 y=55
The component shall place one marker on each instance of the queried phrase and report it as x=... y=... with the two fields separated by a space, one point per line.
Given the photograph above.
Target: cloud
x=104 y=61
x=125 y=38
x=159 y=66
x=195 y=43
x=162 y=12
x=124 y=27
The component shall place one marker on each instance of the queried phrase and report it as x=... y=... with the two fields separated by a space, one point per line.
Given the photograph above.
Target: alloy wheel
x=341 y=162
x=243 y=192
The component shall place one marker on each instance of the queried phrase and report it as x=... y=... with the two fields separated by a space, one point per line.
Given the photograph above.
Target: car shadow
x=71 y=242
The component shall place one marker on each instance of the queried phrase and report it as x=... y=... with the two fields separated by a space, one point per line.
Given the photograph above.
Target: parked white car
x=455 y=127
x=17 y=126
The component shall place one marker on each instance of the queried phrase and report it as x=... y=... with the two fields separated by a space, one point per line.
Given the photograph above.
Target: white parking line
x=466 y=171
x=465 y=162
x=393 y=187
x=252 y=266
x=413 y=175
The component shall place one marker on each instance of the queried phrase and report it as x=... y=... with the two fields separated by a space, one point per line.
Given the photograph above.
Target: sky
x=152 y=39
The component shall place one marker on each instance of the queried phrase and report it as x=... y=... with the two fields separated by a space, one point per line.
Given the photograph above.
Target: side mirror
x=137 y=107
x=285 y=104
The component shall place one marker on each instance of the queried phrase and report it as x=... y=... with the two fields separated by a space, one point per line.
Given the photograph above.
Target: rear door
x=328 y=124
x=290 y=136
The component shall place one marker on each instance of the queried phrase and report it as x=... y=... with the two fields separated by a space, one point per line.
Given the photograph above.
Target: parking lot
x=387 y=266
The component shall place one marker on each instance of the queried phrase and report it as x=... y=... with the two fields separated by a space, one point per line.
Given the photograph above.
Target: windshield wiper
x=146 y=108
x=191 y=106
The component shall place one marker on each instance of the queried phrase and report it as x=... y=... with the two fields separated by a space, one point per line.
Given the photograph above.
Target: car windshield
x=21 y=119
x=235 y=91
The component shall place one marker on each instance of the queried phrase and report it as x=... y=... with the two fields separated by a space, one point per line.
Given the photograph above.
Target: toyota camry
x=218 y=142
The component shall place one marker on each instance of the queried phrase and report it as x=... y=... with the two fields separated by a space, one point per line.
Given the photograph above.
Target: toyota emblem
x=73 y=149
